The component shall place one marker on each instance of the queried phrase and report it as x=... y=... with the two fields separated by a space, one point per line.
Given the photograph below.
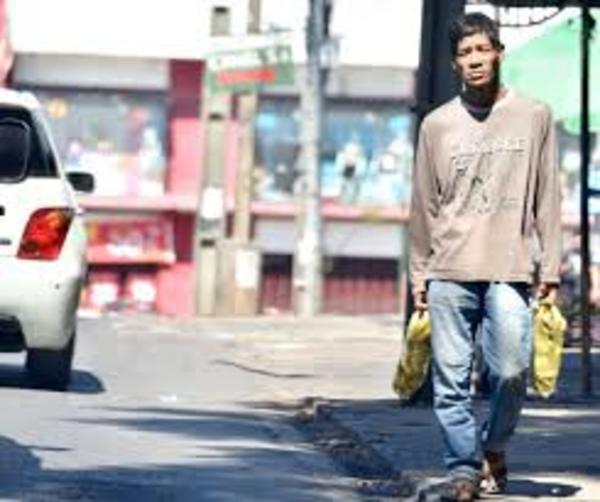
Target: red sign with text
x=143 y=241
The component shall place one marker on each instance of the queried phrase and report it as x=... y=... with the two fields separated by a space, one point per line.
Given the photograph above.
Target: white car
x=42 y=243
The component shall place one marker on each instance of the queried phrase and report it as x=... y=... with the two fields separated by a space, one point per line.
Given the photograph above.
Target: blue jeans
x=502 y=313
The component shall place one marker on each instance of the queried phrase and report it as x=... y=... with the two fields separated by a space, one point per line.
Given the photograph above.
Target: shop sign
x=139 y=241
x=250 y=69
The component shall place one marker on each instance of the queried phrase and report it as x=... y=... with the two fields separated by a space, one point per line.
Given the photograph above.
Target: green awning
x=548 y=68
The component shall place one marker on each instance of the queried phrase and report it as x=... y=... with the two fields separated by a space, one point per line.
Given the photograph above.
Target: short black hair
x=472 y=24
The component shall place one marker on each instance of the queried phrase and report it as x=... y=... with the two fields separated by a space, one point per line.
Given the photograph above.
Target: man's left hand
x=548 y=292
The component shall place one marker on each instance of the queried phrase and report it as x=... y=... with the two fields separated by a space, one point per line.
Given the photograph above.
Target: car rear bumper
x=42 y=297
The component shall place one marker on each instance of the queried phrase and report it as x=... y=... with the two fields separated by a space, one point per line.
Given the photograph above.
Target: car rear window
x=23 y=153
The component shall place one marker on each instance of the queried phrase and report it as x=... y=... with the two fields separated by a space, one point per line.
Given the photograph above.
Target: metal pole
x=307 y=266
x=247 y=105
x=436 y=83
x=586 y=360
x=436 y=80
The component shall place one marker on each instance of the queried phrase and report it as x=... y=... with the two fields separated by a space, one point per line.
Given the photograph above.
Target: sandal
x=493 y=472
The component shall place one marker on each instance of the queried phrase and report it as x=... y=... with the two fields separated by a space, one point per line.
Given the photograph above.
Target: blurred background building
x=123 y=85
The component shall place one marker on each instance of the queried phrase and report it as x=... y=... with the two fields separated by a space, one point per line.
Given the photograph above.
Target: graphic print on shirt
x=476 y=187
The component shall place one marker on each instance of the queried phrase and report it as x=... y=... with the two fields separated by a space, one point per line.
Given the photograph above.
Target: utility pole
x=307 y=281
x=586 y=359
x=210 y=218
x=241 y=262
x=436 y=80
x=247 y=106
x=436 y=83
x=227 y=266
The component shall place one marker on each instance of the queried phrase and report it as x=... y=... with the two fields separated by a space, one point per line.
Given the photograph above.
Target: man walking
x=485 y=196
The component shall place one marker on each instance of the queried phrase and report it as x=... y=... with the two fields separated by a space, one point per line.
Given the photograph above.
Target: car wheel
x=51 y=369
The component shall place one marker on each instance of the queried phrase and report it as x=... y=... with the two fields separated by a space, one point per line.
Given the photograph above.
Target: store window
x=120 y=137
x=366 y=152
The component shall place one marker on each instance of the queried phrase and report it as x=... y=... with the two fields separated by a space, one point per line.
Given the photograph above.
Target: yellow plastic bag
x=414 y=361
x=549 y=327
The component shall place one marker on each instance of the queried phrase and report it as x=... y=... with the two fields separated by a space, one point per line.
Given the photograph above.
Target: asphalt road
x=158 y=410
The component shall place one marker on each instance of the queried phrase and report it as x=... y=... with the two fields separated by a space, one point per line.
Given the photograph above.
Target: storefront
x=366 y=160
x=133 y=123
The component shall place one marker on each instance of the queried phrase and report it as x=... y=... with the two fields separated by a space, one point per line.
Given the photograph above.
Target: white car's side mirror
x=82 y=182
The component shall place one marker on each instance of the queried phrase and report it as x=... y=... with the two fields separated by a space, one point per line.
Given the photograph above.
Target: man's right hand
x=420 y=301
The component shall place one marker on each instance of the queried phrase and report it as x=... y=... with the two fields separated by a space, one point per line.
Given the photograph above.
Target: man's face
x=477 y=60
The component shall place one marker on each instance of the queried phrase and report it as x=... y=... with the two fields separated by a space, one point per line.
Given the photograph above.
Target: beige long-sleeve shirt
x=483 y=192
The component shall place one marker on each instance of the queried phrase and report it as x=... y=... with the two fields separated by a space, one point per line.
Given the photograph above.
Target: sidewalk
x=344 y=365
x=554 y=455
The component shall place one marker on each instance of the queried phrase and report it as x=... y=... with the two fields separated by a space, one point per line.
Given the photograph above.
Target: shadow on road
x=536 y=489
x=82 y=382
x=245 y=456
x=554 y=440
x=226 y=455
x=17 y=463
x=435 y=490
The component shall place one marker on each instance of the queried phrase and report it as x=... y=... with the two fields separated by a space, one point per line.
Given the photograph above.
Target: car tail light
x=45 y=234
